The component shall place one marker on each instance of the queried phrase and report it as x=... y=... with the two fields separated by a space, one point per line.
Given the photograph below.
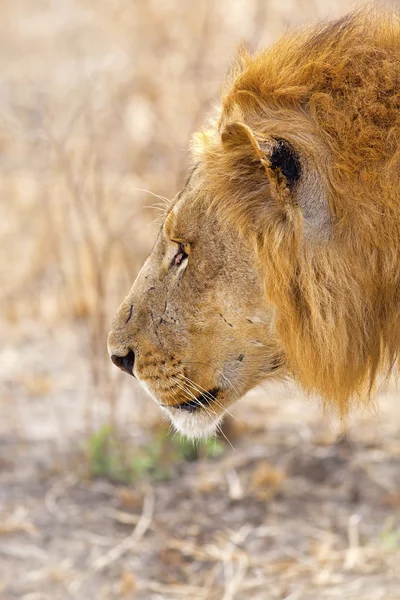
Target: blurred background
x=98 y=499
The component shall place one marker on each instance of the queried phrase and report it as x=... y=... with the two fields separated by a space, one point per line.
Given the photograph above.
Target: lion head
x=279 y=257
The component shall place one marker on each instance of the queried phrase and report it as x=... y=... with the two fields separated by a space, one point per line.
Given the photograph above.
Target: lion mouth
x=202 y=401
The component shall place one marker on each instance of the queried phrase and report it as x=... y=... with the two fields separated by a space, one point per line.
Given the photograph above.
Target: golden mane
x=334 y=90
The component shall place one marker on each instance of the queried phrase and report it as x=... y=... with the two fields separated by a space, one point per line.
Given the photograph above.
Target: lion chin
x=194 y=426
x=190 y=418
x=279 y=256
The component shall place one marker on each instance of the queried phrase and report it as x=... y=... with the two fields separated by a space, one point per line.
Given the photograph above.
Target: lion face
x=195 y=328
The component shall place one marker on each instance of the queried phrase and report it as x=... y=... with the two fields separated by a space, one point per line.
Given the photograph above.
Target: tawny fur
x=333 y=90
x=311 y=286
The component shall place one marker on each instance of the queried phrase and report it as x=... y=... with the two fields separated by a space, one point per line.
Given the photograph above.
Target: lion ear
x=279 y=158
x=238 y=136
x=291 y=184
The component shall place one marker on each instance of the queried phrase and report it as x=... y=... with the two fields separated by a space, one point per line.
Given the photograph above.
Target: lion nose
x=125 y=362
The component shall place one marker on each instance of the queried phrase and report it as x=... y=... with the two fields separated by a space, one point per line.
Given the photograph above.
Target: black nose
x=125 y=362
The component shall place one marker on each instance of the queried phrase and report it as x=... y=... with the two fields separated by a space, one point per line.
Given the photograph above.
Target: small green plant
x=113 y=457
x=190 y=451
x=106 y=456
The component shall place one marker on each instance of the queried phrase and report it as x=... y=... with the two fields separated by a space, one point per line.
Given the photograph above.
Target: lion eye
x=181 y=256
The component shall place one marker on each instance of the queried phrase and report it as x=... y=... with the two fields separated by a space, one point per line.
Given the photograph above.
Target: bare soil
x=295 y=509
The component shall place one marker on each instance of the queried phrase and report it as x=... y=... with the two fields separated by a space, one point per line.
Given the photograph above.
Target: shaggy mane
x=333 y=89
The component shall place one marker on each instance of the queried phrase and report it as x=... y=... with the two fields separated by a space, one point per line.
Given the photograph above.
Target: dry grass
x=97 y=103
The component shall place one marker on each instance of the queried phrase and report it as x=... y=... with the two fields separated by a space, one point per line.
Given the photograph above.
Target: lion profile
x=279 y=257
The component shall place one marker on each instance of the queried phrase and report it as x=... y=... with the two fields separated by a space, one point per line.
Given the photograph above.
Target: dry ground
x=97 y=102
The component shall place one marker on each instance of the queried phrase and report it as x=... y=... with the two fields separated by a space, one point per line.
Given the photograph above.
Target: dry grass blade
x=131 y=540
x=18 y=521
x=54 y=493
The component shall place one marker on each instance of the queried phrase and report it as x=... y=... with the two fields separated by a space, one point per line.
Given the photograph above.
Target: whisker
x=157 y=220
x=197 y=387
x=152 y=194
x=208 y=410
x=197 y=401
x=209 y=396
x=185 y=391
x=219 y=428
x=156 y=206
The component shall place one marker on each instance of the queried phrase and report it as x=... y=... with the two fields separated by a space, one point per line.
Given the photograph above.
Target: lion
x=280 y=256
